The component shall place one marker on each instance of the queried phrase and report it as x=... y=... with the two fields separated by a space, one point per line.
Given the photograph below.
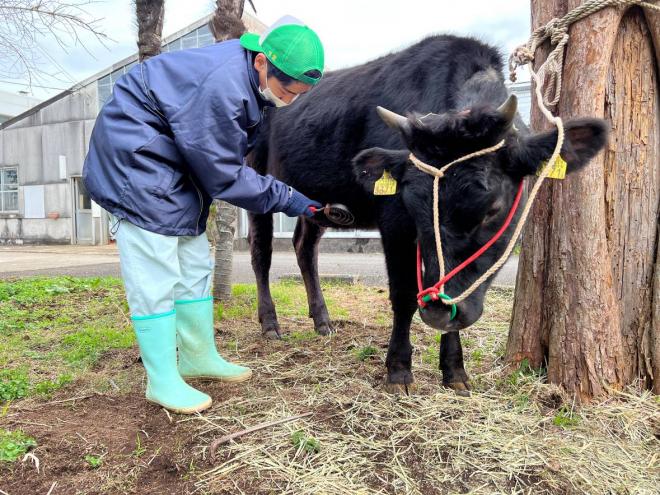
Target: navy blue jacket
x=174 y=136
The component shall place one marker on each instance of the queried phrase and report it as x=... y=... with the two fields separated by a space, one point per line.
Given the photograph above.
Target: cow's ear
x=584 y=138
x=369 y=165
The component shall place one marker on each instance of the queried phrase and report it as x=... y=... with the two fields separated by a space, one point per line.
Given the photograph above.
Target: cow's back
x=310 y=144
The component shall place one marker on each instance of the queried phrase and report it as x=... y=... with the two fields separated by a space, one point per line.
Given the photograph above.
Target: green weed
x=14 y=384
x=13 y=444
x=93 y=461
x=525 y=373
x=308 y=444
x=565 y=418
x=431 y=356
x=139 y=448
x=365 y=352
x=477 y=356
x=47 y=387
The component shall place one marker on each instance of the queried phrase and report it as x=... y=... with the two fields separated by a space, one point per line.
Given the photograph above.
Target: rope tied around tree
x=550 y=72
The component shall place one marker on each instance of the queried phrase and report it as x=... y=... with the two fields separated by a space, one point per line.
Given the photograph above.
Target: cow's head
x=475 y=195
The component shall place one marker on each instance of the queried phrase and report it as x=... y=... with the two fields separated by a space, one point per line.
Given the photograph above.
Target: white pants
x=159 y=269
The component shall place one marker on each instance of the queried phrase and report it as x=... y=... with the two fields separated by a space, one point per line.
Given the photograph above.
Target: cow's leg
x=400 y=257
x=261 y=249
x=451 y=364
x=306 y=239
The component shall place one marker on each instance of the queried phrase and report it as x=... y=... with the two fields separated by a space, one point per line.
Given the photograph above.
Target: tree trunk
x=226 y=24
x=225 y=221
x=584 y=303
x=149 y=15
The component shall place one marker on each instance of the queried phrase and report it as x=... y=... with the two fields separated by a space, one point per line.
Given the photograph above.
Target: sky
x=352 y=31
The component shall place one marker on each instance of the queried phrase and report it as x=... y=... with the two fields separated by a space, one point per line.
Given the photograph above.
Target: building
x=42 y=150
x=12 y=104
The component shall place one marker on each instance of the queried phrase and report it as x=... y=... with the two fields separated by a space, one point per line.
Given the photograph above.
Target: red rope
x=434 y=289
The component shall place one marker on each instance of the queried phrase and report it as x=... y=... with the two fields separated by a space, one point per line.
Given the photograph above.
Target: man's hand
x=299 y=204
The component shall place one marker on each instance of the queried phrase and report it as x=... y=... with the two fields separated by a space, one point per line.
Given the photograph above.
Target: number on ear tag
x=386 y=185
x=558 y=170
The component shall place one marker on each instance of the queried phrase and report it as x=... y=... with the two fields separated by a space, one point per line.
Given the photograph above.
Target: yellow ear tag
x=558 y=170
x=386 y=185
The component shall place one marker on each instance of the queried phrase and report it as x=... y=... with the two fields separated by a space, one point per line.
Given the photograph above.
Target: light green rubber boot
x=156 y=336
x=198 y=357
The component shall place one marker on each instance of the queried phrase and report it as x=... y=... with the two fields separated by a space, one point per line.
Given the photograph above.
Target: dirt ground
x=515 y=434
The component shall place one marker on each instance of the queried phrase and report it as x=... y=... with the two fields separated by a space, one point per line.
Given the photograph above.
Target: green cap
x=290 y=46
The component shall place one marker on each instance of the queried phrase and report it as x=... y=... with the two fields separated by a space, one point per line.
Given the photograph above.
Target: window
x=9 y=189
x=174 y=45
x=204 y=36
x=104 y=89
x=199 y=37
x=189 y=40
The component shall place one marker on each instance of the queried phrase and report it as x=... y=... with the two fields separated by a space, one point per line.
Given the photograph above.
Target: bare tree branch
x=24 y=23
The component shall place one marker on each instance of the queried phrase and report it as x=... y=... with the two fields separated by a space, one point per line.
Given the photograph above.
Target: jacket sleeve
x=209 y=131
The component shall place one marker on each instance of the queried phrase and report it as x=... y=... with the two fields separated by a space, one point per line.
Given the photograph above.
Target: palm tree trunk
x=226 y=24
x=149 y=15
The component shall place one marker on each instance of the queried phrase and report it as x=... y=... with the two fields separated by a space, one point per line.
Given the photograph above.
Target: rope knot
x=522 y=55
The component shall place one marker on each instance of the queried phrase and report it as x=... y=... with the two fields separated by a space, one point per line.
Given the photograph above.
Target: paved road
x=88 y=261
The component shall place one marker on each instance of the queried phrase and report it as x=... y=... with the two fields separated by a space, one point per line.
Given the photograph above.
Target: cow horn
x=393 y=120
x=509 y=108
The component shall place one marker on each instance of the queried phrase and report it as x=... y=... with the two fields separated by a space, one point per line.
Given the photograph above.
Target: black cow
x=311 y=145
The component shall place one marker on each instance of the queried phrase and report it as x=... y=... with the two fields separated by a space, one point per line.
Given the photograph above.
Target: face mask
x=267 y=94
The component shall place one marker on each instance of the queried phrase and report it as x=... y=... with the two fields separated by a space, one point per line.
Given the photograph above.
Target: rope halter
x=436 y=292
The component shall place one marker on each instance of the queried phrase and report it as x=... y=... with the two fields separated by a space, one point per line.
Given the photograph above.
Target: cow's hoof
x=400 y=388
x=272 y=333
x=400 y=383
x=325 y=329
x=460 y=388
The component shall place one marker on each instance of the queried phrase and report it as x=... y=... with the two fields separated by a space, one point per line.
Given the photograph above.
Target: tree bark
x=653 y=348
x=584 y=302
x=149 y=15
x=225 y=221
x=632 y=182
x=226 y=24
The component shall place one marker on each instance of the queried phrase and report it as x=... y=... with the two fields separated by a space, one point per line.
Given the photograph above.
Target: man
x=173 y=137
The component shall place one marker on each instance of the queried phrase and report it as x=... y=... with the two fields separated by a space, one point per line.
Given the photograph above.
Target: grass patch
x=524 y=374
x=54 y=329
x=300 y=336
x=14 y=384
x=477 y=356
x=290 y=301
x=85 y=346
x=14 y=444
x=364 y=353
x=566 y=418
x=47 y=387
